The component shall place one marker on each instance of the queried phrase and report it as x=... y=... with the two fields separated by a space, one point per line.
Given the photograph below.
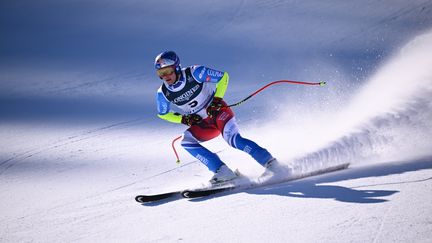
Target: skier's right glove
x=191 y=119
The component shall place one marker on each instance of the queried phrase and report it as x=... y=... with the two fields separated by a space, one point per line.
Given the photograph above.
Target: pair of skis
x=241 y=183
x=188 y=193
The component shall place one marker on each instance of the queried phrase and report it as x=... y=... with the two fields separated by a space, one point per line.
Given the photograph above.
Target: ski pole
x=175 y=151
x=322 y=83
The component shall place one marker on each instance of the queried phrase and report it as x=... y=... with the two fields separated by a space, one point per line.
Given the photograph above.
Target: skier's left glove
x=215 y=106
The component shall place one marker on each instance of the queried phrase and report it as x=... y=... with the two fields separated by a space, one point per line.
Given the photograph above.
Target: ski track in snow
x=86 y=135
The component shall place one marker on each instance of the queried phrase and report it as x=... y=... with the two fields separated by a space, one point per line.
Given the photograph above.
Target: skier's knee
x=230 y=131
x=188 y=139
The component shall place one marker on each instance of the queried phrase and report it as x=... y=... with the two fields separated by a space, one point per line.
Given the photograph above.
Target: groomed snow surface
x=79 y=138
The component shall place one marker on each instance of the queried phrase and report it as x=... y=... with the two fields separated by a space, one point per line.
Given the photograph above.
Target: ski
x=205 y=192
x=196 y=193
x=201 y=192
x=155 y=197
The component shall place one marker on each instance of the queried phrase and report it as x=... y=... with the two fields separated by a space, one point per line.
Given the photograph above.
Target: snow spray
x=390 y=118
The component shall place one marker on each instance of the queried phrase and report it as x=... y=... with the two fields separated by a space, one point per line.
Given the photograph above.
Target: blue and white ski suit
x=192 y=94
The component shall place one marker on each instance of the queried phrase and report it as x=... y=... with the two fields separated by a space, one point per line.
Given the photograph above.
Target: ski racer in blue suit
x=198 y=91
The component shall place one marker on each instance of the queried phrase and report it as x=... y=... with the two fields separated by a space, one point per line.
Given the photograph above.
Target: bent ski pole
x=175 y=151
x=276 y=82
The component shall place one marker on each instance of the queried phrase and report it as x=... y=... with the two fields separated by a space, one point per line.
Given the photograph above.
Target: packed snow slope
x=79 y=135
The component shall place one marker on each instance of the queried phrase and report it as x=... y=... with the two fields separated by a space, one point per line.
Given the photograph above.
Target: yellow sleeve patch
x=222 y=86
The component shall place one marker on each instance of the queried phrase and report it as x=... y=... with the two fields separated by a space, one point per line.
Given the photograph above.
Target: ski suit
x=192 y=94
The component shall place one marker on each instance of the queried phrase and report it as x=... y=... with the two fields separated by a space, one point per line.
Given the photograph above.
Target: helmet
x=166 y=59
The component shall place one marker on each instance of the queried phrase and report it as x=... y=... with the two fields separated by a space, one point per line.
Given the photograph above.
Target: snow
x=80 y=138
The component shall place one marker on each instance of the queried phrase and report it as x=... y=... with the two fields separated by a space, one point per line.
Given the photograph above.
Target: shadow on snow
x=312 y=187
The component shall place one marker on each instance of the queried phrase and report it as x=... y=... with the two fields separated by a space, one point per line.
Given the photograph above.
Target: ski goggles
x=161 y=63
x=165 y=71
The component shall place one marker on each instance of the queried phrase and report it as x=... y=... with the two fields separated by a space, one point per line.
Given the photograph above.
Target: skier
x=198 y=92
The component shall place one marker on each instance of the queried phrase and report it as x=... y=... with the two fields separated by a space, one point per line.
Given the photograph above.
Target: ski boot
x=223 y=174
x=273 y=167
